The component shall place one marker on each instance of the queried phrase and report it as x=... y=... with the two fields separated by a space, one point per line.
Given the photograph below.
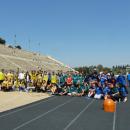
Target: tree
x=10 y=46
x=18 y=47
x=106 y=70
x=2 y=41
x=100 y=68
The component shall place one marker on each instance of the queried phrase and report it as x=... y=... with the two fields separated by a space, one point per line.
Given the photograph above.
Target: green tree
x=18 y=47
x=2 y=41
x=100 y=67
x=10 y=46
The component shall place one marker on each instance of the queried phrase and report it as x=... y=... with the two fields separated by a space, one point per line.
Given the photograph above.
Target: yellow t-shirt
x=16 y=84
x=5 y=83
x=22 y=84
x=45 y=77
x=33 y=76
x=10 y=76
x=54 y=79
x=10 y=83
x=39 y=78
x=2 y=76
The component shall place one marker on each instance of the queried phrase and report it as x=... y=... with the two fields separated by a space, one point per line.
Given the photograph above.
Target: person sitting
x=16 y=84
x=91 y=92
x=39 y=82
x=69 y=80
x=9 y=85
x=44 y=86
x=98 y=91
x=63 y=91
x=71 y=90
x=85 y=87
x=75 y=79
x=80 y=90
x=4 y=84
x=114 y=93
x=54 y=88
x=21 y=86
x=106 y=91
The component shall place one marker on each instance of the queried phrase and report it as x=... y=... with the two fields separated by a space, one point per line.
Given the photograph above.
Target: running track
x=66 y=113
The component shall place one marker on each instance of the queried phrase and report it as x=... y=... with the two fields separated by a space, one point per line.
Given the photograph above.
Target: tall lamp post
x=14 y=43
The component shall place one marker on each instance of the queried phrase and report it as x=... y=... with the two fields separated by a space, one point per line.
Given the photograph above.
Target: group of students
x=98 y=86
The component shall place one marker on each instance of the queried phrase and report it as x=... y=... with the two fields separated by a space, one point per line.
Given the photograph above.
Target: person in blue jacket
x=123 y=93
x=128 y=78
x=121 y=79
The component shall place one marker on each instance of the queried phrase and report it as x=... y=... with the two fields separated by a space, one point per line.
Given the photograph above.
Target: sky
x=76 y=32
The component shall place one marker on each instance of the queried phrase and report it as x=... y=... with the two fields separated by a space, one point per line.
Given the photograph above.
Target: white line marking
x=72 y=122
x=114 y=120
x=42 y=115
x=10 y=113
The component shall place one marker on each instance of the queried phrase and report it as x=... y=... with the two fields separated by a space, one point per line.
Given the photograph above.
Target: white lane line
x=26 y=107
x=114 y=119
x=72 y=122
x=42 y=115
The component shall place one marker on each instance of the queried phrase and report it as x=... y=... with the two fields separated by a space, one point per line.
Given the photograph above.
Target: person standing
x=2 y=77
x=128 y=78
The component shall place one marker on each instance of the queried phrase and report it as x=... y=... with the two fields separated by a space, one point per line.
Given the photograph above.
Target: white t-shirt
x=21 y=76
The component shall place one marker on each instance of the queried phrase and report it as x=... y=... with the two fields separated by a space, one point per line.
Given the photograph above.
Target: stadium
x=32 y=108
x=64 y=65
x=13 y=58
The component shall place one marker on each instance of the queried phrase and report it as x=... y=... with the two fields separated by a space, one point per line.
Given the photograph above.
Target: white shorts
x=98 y=96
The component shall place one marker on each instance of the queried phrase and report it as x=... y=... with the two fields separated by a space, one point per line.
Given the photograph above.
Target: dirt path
x=10 y=100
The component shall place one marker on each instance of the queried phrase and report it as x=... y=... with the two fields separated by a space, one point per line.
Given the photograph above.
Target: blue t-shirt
x=106 y=90
x=98 y=90
x=123 y=91
x=128 y=77
x=103 y=79
x=121 y=79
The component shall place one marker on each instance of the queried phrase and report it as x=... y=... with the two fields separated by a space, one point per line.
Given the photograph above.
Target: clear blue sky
x=77 y=32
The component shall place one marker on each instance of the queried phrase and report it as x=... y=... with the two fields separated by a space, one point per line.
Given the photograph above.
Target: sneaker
x=119 y=100
x=125 y=100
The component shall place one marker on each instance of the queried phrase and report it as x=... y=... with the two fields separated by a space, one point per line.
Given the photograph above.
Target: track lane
x=29 y=113
x=60 y=118
x=94 y=119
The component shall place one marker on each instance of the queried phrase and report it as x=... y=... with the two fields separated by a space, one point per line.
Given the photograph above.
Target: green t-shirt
x=80 y=79
x=71 y=89
x=75 y=79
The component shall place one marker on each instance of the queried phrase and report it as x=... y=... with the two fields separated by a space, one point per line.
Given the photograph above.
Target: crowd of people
x=96 y=85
